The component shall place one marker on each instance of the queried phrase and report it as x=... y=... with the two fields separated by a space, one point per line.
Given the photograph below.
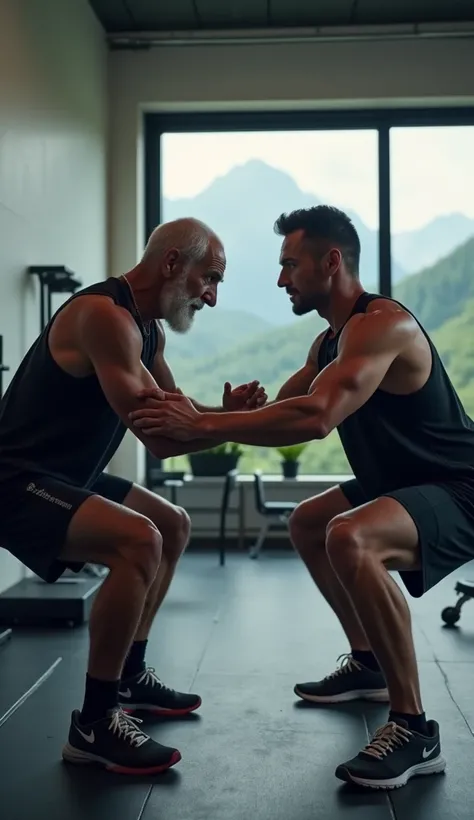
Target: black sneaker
x=394 y=755
x=117 y=743
x=351 y=681
x=147 y=693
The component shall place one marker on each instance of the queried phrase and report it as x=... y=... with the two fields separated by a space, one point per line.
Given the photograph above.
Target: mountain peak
x=256 y=166
x=242 y=206
x=254 y=176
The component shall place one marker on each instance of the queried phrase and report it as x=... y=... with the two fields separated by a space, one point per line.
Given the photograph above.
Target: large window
x=403 y=177
x=432 y=176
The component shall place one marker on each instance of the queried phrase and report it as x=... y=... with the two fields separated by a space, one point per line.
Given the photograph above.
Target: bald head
x=186 y=260
x=190 y=237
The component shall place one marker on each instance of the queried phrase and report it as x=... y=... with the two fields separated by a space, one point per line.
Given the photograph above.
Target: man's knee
x=306 y=527
x=344 y=547
x=141 y=548
x=176 y=535
x=296 y=525
x=183 y=528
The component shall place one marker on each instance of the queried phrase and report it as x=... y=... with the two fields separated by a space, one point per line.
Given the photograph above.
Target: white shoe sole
x=436 y=766
x=72 y=755
x=377 y=695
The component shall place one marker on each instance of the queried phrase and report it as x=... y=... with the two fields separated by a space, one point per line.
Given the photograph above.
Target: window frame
x=380 y=120
x=155 y=124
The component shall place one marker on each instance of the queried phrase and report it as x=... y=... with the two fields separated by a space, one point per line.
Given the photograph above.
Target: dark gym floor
x=240 y=636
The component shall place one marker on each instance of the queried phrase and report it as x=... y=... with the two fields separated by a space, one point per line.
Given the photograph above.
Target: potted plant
x=216 y=461
x=290 y=459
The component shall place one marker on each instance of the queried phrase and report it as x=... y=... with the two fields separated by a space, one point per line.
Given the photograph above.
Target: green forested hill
x=442 y=298
x=439 y=292
x=271 y=357
x=455 y=343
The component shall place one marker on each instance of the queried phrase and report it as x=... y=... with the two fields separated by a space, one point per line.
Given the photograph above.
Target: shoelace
x=150 y=678
x=127 y=728
x=348 y=664
x=386 y=739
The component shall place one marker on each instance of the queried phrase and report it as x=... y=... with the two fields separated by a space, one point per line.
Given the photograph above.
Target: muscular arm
x=369 y=345
x=112 y=342
x=301 y=381
x=164 y=378
x=203 y=408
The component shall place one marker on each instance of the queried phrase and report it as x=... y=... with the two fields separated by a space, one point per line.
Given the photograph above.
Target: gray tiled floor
x=241 y=636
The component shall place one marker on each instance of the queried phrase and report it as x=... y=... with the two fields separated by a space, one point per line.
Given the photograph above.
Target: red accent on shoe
x=175 y=758
x=165 y=712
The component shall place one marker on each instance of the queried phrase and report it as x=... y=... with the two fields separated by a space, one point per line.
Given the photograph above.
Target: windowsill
x=302 y=478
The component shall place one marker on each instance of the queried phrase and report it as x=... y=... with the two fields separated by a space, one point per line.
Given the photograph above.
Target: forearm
x=276 y=425
x=162 y=447
x=202 y=408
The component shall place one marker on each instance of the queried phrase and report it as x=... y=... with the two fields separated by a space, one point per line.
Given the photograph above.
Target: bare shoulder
x=93 y=311
x=87 y=323
x=389 y=333
x=100 y=321
x=99 y=311
x=384 y=324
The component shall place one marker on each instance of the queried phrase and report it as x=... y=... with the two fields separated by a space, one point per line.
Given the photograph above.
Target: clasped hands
x=174 y=416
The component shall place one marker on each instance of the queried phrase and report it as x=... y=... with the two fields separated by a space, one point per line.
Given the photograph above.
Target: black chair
x=452 y=614
x=275 y=514
x=229 y=486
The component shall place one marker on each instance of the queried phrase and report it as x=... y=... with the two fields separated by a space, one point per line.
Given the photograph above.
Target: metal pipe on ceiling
x=317 y=34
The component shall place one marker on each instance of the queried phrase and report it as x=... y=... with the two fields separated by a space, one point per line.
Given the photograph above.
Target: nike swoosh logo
x=90 y=737
x=428 y=752
x=126 y=694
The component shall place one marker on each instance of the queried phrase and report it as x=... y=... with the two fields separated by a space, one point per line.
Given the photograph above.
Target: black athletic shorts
x=35 y=513
x=445 y=531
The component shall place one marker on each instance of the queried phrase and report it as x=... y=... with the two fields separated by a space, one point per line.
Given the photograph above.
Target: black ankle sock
x=416 y=723
x=100 y=696
x=367 y=659
x=135 y=662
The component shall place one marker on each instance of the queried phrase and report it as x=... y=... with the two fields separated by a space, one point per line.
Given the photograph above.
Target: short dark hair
x=324 y=222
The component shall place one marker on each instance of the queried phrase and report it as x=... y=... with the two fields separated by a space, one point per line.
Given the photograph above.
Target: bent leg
x=175 y=526
x=359 y=676
x=104 y=532
x=308 y=524
x=141 y=689
x=420 y=532
x=362 y=545
x=52 y=525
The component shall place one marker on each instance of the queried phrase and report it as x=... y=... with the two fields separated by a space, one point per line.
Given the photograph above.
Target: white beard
x=178 y=309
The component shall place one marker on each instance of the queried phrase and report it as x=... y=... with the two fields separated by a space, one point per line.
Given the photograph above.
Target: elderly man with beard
x=61 y=420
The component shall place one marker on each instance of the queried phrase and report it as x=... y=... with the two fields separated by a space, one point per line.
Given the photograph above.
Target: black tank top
x=56 y=424
x=396 y=441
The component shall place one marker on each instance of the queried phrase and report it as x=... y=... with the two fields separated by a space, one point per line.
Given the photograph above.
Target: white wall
x=53 y=111
x=363 y=74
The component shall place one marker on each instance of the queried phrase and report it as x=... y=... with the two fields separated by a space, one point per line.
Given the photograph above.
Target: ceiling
x=194 y=15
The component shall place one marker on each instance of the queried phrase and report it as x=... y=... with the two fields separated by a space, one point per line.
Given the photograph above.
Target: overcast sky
x=432 y=169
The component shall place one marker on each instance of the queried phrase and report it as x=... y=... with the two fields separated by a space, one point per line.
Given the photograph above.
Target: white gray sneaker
x=350 y=681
